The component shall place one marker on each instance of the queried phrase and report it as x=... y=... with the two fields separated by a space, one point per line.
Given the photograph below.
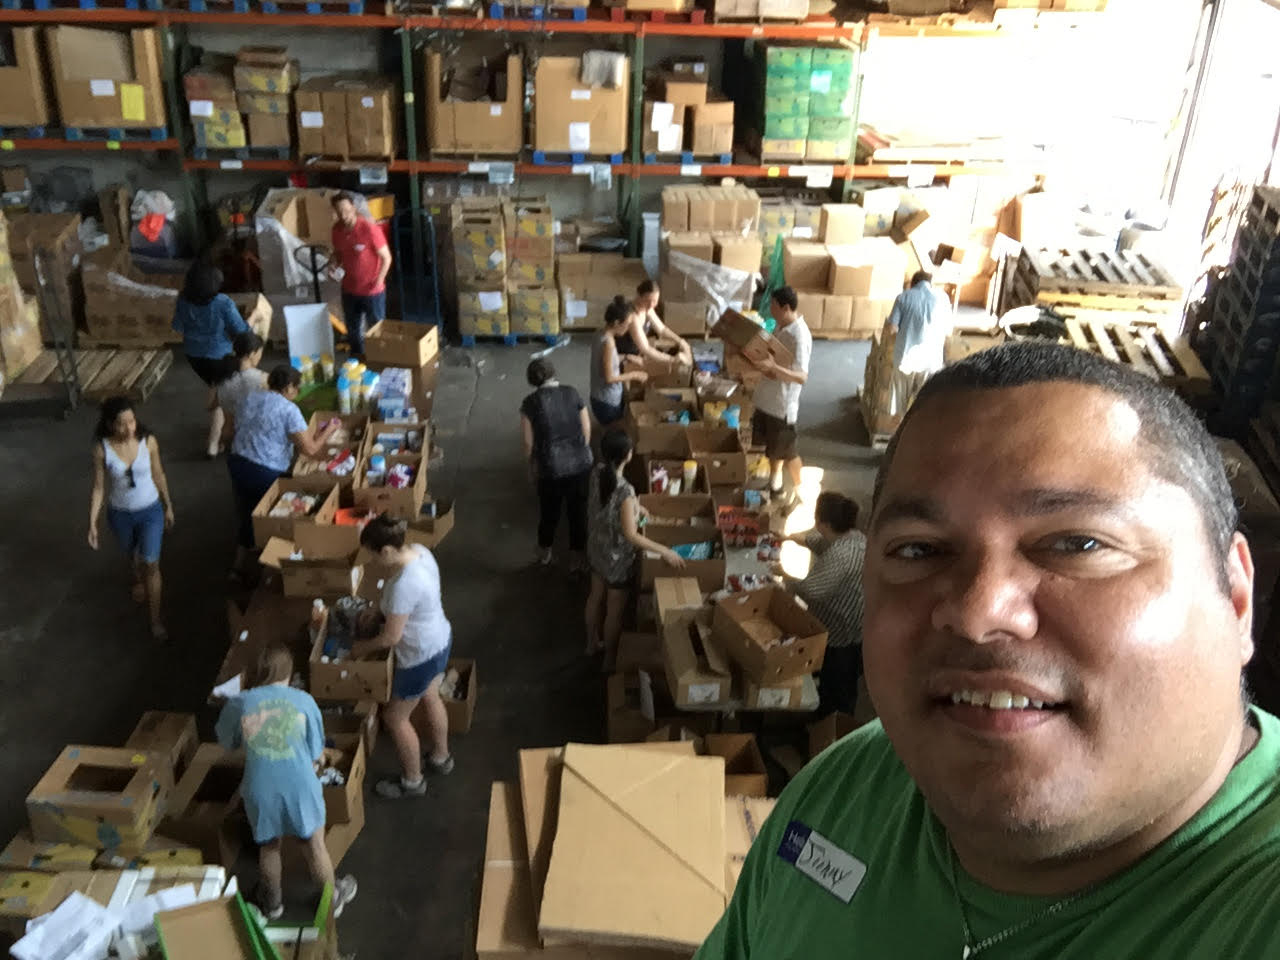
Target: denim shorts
x=139 y=531
x=410 y=683
x=606 y=413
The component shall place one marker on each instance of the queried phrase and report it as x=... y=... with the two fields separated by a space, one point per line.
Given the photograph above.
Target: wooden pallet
x=844 y=335
x=106 y=373
x=1106 y=273
x=1146 y=349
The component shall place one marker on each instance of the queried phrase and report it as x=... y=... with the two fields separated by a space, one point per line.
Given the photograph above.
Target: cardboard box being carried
x=770 y=634
x=491 y=125
x=572 y=117
x=750 y=339
x=106 y=78
x=23 y=99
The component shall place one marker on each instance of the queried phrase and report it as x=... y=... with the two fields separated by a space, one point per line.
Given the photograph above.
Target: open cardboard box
x=778 y=694
x=394 y=438
x=462 y=709
x=675 y=471
x=733 y=516
x=698 y=673
x=403 y=503
x=266 y=526
x=750 y=339
x=203 y=808
x=709 y=573
x=430 y=531
x=748 y=626
x=653 y=438
x=350 y=438
x=719 y=450
x=395 y=343
x=329 y=565
x=368 y=679
x=342 y=803
x=173 y=734
x=221 y=928
x=744 y=770
x=682 y=512
x=102 y=797
x=361 y=718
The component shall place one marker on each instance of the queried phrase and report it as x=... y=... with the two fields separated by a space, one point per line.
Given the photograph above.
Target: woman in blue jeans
x=415 y=627
x=268 y=427
x=129 y=477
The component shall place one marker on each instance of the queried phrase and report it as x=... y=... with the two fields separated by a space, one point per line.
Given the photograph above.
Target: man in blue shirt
x=919 y=320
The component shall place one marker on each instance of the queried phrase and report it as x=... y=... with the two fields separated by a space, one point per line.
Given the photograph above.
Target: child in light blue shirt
x=283 y=738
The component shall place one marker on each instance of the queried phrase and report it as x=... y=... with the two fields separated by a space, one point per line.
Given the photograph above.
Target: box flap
x=322 y=541
x=276 y=550
x=674 y=596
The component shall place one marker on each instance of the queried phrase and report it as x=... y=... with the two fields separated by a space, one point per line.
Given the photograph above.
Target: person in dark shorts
x=777 y=399
x=556 y=429
x=208 y=320
x=615 y=515
x=608 y=381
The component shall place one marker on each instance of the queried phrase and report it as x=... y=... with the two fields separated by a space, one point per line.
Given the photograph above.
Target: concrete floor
x=80 y=668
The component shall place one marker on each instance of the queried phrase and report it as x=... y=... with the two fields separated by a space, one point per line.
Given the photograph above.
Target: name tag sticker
x=831 y=868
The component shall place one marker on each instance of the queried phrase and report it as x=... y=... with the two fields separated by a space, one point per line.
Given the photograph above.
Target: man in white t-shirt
x=777 y=399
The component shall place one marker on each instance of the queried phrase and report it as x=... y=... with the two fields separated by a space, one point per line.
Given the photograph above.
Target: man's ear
x=1240 y=583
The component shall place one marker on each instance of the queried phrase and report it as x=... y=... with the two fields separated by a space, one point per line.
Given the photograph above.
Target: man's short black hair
x=786 y=297
x=921 y=276
x=1178 y=447
x=342 y=197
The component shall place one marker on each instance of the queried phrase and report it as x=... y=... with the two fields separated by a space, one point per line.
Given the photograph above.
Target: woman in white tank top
x=129 y=478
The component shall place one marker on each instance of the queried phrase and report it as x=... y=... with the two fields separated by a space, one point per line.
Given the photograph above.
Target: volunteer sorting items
x=129 y=477
x=415 y=627
x=608 y=381
x=268 y=427
x=647 y=333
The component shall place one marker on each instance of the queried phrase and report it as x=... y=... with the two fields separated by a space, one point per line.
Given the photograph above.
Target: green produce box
x=786 y=85
x=787 y=105
x=831 y=104
x=830 y=81
x=828 y=57
x=786 y=128
x=788 y=59
x=830 y=128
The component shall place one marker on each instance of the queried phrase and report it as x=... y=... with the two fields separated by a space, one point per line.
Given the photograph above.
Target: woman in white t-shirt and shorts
x=416 y=628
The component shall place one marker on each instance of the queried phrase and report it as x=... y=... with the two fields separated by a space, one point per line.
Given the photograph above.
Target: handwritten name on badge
x=836 y=871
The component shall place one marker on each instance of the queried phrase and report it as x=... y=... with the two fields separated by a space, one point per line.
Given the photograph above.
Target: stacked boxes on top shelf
x=24 y=100
x=107 y=80
x=474 y=106
x=581 y=105
x=211 y=103
x=348 y=116
x=684 y=117
x=806 y=109
x=265 y=78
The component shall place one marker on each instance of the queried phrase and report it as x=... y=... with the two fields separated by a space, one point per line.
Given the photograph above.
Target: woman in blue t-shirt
x=268 y=426
x=207 y=320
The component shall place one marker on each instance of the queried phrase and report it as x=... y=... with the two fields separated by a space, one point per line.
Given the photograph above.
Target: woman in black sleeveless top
x=556 y=428
x=649 y=337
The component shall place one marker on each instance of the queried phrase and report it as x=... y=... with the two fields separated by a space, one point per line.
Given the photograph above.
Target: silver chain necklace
x=972 y=949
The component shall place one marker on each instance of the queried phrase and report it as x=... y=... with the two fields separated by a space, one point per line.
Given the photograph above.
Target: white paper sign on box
x=579 y=94
x=490 y=300
x=202 y=108
x=308 y=329
x=311 y=119
x=663 y=114
x=102 y=88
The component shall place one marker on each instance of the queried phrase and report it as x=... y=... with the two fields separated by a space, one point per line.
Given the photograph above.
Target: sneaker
x=397 y=788
x=344 y=891
x=543 y=558
x=441 y=769
x=272 y=910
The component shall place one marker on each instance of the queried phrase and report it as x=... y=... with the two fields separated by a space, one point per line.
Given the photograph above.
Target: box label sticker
x=704 y=692
x=802 y=233
x=231 y=165
x=6 y=144
x=836 y=871
x=580 y=136
x=202 y=108
x=133 y=102
x=575 y=309
x=311 y=119
x=663 y=114
x=691 y=170
x=669 y=140
x=102 y=88
x=773 y=698
x=478 y=167
x=490 y=299
x=819 y=177
x=920 y=175
x=495 y=259
x=366 y=102
x=579 y=94
x=586 y=168
x=495 y=109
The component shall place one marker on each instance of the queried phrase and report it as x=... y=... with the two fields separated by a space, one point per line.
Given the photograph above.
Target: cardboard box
x=675 y=471
x=25 y=853
x=106 y=78
x=675 y=209
x=327 y=567
x=842 y=223
x=709 y=573
x=697 y=670
x=372 y=112
x=686 y=319
x=345 y=803
x=684 y=90
x=461 y=707
x=805 y=265
x=774 y=695
x=486 y=126
x=738 y=253
x=360 y=717
x=104 y=797
x=684 y=512
x=872 y=267
x=403 y=503
x=639 y=651
x=398 y=343
x=750 y=339
x=203 y=809
x=270 y=130
x=712 y=128
x=719 y=450
x=529 y=232
x=650 y=805
x=213 y=928
x=368 y=679
x=506 y=926
x=744 y=770
x=837 y=314
x=633 y=703
x=19 y=332
x=870 y=313
x=265 y=526
x=750 y=626
x=322 y=118
x=534 y=310
x=265 y=69
x=663 y=128
x=173 y=734
x=24 y=101
x=479 y=243
x=274 y=104
x=569 y=117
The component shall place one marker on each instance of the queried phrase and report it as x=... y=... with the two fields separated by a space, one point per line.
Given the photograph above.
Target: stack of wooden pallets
x=106 y=373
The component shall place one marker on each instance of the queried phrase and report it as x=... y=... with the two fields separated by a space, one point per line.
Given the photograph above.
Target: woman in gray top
x=608 y=391
x=615 y=517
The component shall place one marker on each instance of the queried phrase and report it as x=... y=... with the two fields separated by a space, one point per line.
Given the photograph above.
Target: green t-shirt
x=1211 y=891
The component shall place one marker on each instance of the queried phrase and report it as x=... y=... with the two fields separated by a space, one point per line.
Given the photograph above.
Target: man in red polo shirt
x=361 y=250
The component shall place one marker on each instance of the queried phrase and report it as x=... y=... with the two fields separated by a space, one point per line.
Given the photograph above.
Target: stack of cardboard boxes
x=846 y=285
x=716 y=225
x=785 y=216
x=806 y=103
x=265 y=78
x=588 y=282
x=107 y=78
x=531 y=266
x=480 y=267
x=211 y=103
x=683 y=118
x=19 y=317
x=348 y=116
x=24 y=99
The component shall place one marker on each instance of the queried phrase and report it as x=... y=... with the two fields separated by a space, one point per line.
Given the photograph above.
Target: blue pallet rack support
x=23 y=133
x=202 y=6
x=315 y=8
x=153 y=134
x=544 y=159
x=687 y=159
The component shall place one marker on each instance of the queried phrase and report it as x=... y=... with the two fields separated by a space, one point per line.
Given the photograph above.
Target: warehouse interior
x=1097 y=168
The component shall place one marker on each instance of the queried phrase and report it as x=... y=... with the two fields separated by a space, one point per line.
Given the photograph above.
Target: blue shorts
x=606 y=413
x=139 y=531
x=410 y=683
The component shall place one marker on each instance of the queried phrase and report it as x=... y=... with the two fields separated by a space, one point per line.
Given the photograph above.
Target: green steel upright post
x=192 y=212
x=411 y=154
x=857 y=112
x=629 y=187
